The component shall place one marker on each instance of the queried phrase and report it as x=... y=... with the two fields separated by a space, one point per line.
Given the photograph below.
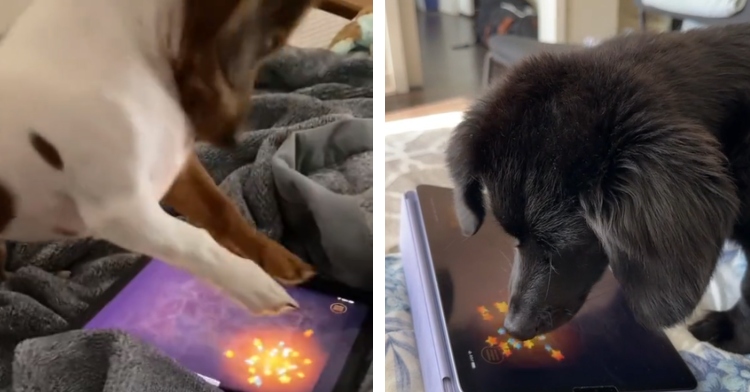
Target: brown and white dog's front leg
x=136 y=221
x=195 y=195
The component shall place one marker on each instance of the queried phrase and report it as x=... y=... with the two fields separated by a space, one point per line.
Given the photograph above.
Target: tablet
x=323 y=347
x=458 y=289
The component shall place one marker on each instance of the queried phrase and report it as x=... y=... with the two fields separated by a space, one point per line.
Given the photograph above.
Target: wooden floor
x=458 y=104
x=452 y=65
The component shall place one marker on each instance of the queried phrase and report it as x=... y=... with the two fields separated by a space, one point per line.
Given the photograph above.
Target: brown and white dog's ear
x=662 y=214
x=467 y=193
x=255 y=30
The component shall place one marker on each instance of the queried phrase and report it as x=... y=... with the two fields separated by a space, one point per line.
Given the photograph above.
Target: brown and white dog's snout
x=223 y=43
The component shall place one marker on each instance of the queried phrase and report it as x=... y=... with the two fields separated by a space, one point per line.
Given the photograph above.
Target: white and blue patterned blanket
x=715 y=370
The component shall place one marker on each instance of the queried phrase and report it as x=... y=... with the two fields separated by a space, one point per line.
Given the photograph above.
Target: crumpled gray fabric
x=53 y=283
x=324 y=182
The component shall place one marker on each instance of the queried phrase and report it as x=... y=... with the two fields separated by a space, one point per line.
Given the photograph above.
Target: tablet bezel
x=358 y=359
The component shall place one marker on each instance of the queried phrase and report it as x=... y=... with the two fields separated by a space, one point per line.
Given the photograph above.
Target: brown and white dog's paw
x=252 y=287
x=284 y=265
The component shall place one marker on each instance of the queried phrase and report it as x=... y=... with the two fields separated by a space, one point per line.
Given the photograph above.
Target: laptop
x=458 y=291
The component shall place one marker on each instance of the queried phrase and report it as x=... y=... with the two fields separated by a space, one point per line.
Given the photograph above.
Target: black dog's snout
x=521 y=327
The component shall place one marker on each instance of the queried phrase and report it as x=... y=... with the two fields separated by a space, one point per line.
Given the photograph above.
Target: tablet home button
x=338 y=308
x=595 y=389
x=492 y=355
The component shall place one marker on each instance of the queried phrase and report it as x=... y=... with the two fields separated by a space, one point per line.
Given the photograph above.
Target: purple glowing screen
x=192 y=322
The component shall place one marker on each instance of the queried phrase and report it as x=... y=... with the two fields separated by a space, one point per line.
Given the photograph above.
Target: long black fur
x=633 y=154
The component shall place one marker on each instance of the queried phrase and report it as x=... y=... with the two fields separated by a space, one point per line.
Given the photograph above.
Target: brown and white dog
x=100 y=104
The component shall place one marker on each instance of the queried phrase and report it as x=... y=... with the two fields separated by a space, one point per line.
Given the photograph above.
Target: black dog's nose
x=520 y=327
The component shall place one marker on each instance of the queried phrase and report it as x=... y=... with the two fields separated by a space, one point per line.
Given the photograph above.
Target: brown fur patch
x=64 y=232
x=216 y=37
x=7 y=207
x=3 y=260
x=46 y=150
x=197 y=73
x=195 y=195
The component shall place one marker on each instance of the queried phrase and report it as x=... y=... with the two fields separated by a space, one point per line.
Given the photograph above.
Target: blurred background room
x=437 y=49
x=441 y=54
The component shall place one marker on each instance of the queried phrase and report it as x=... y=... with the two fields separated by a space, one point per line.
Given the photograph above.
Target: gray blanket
x=289 y=184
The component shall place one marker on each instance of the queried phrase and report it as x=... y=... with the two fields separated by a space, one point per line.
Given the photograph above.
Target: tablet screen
x=213 y=336
x=602 y=346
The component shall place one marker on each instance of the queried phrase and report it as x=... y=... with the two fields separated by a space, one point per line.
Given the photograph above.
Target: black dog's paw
x=715 y=327
x=728 y=330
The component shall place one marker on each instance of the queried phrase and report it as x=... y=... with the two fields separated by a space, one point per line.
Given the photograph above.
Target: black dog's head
x=586 y=166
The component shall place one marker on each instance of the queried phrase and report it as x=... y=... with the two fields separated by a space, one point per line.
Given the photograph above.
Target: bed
x=306 y=100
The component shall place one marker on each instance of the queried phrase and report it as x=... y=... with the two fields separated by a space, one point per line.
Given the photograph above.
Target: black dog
x=634 y=154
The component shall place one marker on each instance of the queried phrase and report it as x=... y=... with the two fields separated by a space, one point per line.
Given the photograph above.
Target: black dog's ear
x=662 y=213
x=469 y=205
x=467 y=193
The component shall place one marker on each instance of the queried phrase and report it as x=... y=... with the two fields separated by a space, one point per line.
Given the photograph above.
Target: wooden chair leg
x=487 y=70
x=340 y=8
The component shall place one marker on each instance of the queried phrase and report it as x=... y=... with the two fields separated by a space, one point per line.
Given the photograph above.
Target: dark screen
x=602 y=346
